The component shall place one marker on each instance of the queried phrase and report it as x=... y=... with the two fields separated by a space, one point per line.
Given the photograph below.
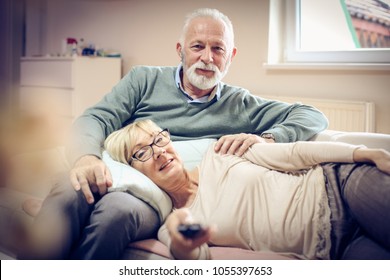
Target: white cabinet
x=66 y=86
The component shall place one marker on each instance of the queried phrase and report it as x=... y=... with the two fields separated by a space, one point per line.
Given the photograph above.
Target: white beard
x=203 y=82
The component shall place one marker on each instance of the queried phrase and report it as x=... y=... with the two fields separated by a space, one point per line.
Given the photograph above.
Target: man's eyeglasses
x=146 y=152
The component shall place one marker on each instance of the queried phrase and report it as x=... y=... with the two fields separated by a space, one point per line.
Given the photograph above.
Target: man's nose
x=207 y=55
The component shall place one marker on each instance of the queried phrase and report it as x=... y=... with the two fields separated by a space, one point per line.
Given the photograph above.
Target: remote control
x=191 y=230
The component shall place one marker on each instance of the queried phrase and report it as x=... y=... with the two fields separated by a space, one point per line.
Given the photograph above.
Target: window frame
x=284 y=52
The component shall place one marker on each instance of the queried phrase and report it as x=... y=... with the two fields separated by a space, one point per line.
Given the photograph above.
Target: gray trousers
x=99 y=231
x=359 y=198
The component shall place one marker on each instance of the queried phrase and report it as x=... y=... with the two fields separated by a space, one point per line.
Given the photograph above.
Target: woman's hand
x=182 y=247
x=379 y=157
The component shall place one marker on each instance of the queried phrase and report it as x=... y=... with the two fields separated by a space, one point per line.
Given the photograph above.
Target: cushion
x=155 y=249
x=368 y=139
x=127 y=179
x=192 y=151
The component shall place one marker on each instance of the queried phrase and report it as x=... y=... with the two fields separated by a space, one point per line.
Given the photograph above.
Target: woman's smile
x=166 y=164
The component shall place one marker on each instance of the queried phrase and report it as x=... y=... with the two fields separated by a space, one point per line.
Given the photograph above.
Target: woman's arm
x=299 y=155
x=305 y=154
x=379 y=157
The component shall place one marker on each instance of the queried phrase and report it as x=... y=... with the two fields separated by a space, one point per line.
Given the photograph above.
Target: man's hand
x=90 y=174
x=238 y=144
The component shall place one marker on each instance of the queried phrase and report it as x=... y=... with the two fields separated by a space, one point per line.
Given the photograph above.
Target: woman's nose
x=158 y=151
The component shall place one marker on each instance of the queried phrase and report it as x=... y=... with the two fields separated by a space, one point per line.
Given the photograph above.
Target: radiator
x=343 y=115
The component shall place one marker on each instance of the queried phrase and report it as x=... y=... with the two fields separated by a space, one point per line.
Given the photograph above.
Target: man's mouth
x=206 y=71
x=165 y=164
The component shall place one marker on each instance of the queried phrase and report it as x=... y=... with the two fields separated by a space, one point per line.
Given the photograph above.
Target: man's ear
x=179 y=49
x=234 y=52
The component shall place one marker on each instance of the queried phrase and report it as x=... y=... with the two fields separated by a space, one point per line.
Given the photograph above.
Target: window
x=337 y=33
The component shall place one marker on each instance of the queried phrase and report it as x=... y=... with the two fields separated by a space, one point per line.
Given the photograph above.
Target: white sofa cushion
x=368 y=139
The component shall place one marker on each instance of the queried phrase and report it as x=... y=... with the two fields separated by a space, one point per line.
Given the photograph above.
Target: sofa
x=31 y=177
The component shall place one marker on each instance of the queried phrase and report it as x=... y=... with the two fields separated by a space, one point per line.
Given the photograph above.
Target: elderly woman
x=312 y=200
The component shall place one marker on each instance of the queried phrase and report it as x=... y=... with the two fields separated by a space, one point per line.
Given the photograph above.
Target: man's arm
x=89 y=174
x=272 y=122
x=91 y=129
x=295 y=122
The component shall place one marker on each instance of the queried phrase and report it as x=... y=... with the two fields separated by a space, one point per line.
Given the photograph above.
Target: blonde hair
x=120 y=143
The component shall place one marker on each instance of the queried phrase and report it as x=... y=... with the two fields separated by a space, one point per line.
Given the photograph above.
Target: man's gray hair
x=211 y=13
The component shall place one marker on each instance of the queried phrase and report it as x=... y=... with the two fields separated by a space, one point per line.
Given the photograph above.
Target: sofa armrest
x=369 y=139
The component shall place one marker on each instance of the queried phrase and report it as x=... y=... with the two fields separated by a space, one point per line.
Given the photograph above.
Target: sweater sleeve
x=91 y=129
x=299 y=155
x=287 y=122
x=302 y=123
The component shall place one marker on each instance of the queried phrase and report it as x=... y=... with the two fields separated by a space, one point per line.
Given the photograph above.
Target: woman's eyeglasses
x=146 y=152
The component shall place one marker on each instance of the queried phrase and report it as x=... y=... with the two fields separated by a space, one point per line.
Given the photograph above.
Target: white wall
x=146 y=32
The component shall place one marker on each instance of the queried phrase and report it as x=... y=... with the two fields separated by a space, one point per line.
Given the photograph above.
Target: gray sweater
x=151 y=93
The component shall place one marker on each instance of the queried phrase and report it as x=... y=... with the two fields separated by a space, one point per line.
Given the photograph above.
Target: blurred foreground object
x=31 y=159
